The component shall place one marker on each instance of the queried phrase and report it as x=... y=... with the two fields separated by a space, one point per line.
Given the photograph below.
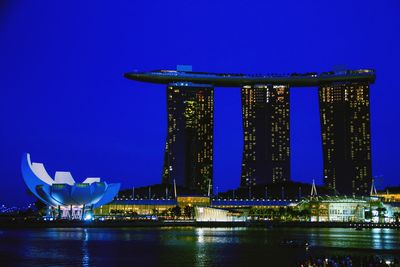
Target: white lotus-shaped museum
x=63 y=190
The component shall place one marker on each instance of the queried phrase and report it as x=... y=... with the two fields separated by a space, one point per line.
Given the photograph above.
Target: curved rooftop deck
x=238 y=80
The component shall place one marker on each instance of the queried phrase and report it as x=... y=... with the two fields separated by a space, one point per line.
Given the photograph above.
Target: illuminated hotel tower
x=189 y=145
x=346 y=137
x=266 y=148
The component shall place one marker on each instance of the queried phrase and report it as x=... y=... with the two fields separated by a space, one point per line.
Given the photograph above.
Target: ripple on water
x=187 y=246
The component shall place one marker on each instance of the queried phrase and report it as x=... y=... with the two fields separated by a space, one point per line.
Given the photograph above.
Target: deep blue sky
x=64 y=100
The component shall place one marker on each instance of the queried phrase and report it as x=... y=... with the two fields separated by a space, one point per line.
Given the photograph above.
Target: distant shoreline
x=122 y=224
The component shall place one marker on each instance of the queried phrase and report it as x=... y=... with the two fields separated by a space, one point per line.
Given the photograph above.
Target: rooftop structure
x=239 y=80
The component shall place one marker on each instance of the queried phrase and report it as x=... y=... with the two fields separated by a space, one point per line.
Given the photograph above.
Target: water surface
x=188 y=246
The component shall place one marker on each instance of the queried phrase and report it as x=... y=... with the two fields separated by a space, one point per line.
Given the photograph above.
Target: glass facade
x=266 y=147
x=338 y=211
x=131 y=209
x=346 y=137
x=189 y=146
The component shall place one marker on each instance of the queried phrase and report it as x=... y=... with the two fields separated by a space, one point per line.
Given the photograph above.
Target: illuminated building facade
x=64 y=197
x=266 y=148
x=348 y=209
x=129 y=208
x=189 y=145
x=392 y=197
x=345 y=125
x=208 y=214
x=346 y=136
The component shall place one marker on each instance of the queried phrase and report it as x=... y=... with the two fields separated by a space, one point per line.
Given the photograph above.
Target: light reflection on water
x=217 y=235
x=184 y=246
x=85 y=249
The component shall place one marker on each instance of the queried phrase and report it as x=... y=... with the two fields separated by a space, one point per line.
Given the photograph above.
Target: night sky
x=63 y=97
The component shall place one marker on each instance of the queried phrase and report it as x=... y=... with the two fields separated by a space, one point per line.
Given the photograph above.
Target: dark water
x=188 y=246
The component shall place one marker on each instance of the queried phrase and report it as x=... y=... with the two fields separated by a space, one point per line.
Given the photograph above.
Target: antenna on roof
x=313 y=190
x=209 y=188
x=174 y=188
x=373 y=189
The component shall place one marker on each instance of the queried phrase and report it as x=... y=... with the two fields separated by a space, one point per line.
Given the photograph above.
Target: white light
x=88 y=217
